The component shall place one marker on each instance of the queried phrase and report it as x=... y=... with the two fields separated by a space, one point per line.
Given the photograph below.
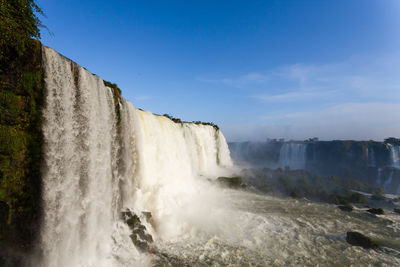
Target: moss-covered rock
x=117 y=98
x=347 y=208
x=140 y=236
x=21 y=102
x=378 y=211
x=232 y=182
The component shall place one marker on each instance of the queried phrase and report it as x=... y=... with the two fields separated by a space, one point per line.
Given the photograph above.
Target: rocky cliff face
x=375 y=163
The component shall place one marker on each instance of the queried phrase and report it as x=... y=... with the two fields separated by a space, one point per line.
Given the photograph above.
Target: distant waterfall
x=371 y=157
x=96 y=166
x=379 y=177
x=395 y=156
x=388 y=181
x=293 y=155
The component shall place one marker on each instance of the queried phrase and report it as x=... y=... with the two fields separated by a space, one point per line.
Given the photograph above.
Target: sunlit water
x=269 y=231
x=95 y=167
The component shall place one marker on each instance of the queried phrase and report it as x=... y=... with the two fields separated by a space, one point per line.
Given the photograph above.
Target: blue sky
x=259 y=69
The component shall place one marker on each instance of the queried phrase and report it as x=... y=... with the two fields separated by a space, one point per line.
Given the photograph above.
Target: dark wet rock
x=4 y=210
x=378 y=211
x=140 y=237
x=358 y=239
x=147 y=215
x=142 y=245
x=294 y=194
x=347 y=208
x=378 y=197
x=231 y=182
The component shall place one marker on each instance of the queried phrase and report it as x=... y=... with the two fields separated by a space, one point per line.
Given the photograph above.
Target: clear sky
x=259 y=69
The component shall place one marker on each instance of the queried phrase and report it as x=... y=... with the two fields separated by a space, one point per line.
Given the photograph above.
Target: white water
x=293 y=155
x=175 y=160
x=94 y=169
x=269 y=231
x=387 y=183
x=379 y=178
x=371 y=157
x=395 y=156
x=79 y=132
x=92 y=172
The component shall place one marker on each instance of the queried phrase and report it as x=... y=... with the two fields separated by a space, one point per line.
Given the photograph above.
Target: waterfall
x=371 y=161
x=386 y=184
x=293 y=155
x=395 y=156
x=95 y=167
x=379 y=177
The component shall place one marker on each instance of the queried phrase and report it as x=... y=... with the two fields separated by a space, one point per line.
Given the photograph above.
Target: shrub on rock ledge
x=358 y=239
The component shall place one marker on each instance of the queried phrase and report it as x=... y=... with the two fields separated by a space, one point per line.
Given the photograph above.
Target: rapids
x=271 y=231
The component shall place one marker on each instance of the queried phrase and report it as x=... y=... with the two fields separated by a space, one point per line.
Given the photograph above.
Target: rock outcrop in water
x=347 y=208
x=377 y=211
x=358 y=239
x=140 y=236
x=232 y=182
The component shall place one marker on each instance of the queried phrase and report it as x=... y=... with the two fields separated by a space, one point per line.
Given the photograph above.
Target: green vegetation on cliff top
x=18 y=24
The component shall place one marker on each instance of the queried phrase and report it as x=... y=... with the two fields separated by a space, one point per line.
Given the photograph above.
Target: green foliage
x=177 y=120
x=357 y=198
x=21 y=100
x=18 y=24
x=19 y=145
x=339 y=200
x=392 y=140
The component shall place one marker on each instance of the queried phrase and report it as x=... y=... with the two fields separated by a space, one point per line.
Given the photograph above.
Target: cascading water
x=371 y=161
x=379 y=177
x=81 y=183
x=173 y=158
x=293 y=155
x=94 y=169
x=387 y=183
x=395 y=156
x=98 y=164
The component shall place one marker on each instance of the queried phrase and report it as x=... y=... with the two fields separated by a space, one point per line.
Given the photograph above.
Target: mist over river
x=260 y=230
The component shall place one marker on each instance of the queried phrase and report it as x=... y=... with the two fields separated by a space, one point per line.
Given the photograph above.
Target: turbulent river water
x=261 y=230
x=99 y=164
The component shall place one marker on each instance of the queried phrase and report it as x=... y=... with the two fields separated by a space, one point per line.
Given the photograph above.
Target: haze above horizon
x=261 y=69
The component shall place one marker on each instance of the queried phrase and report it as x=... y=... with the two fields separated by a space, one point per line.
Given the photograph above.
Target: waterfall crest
x=95 y=166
